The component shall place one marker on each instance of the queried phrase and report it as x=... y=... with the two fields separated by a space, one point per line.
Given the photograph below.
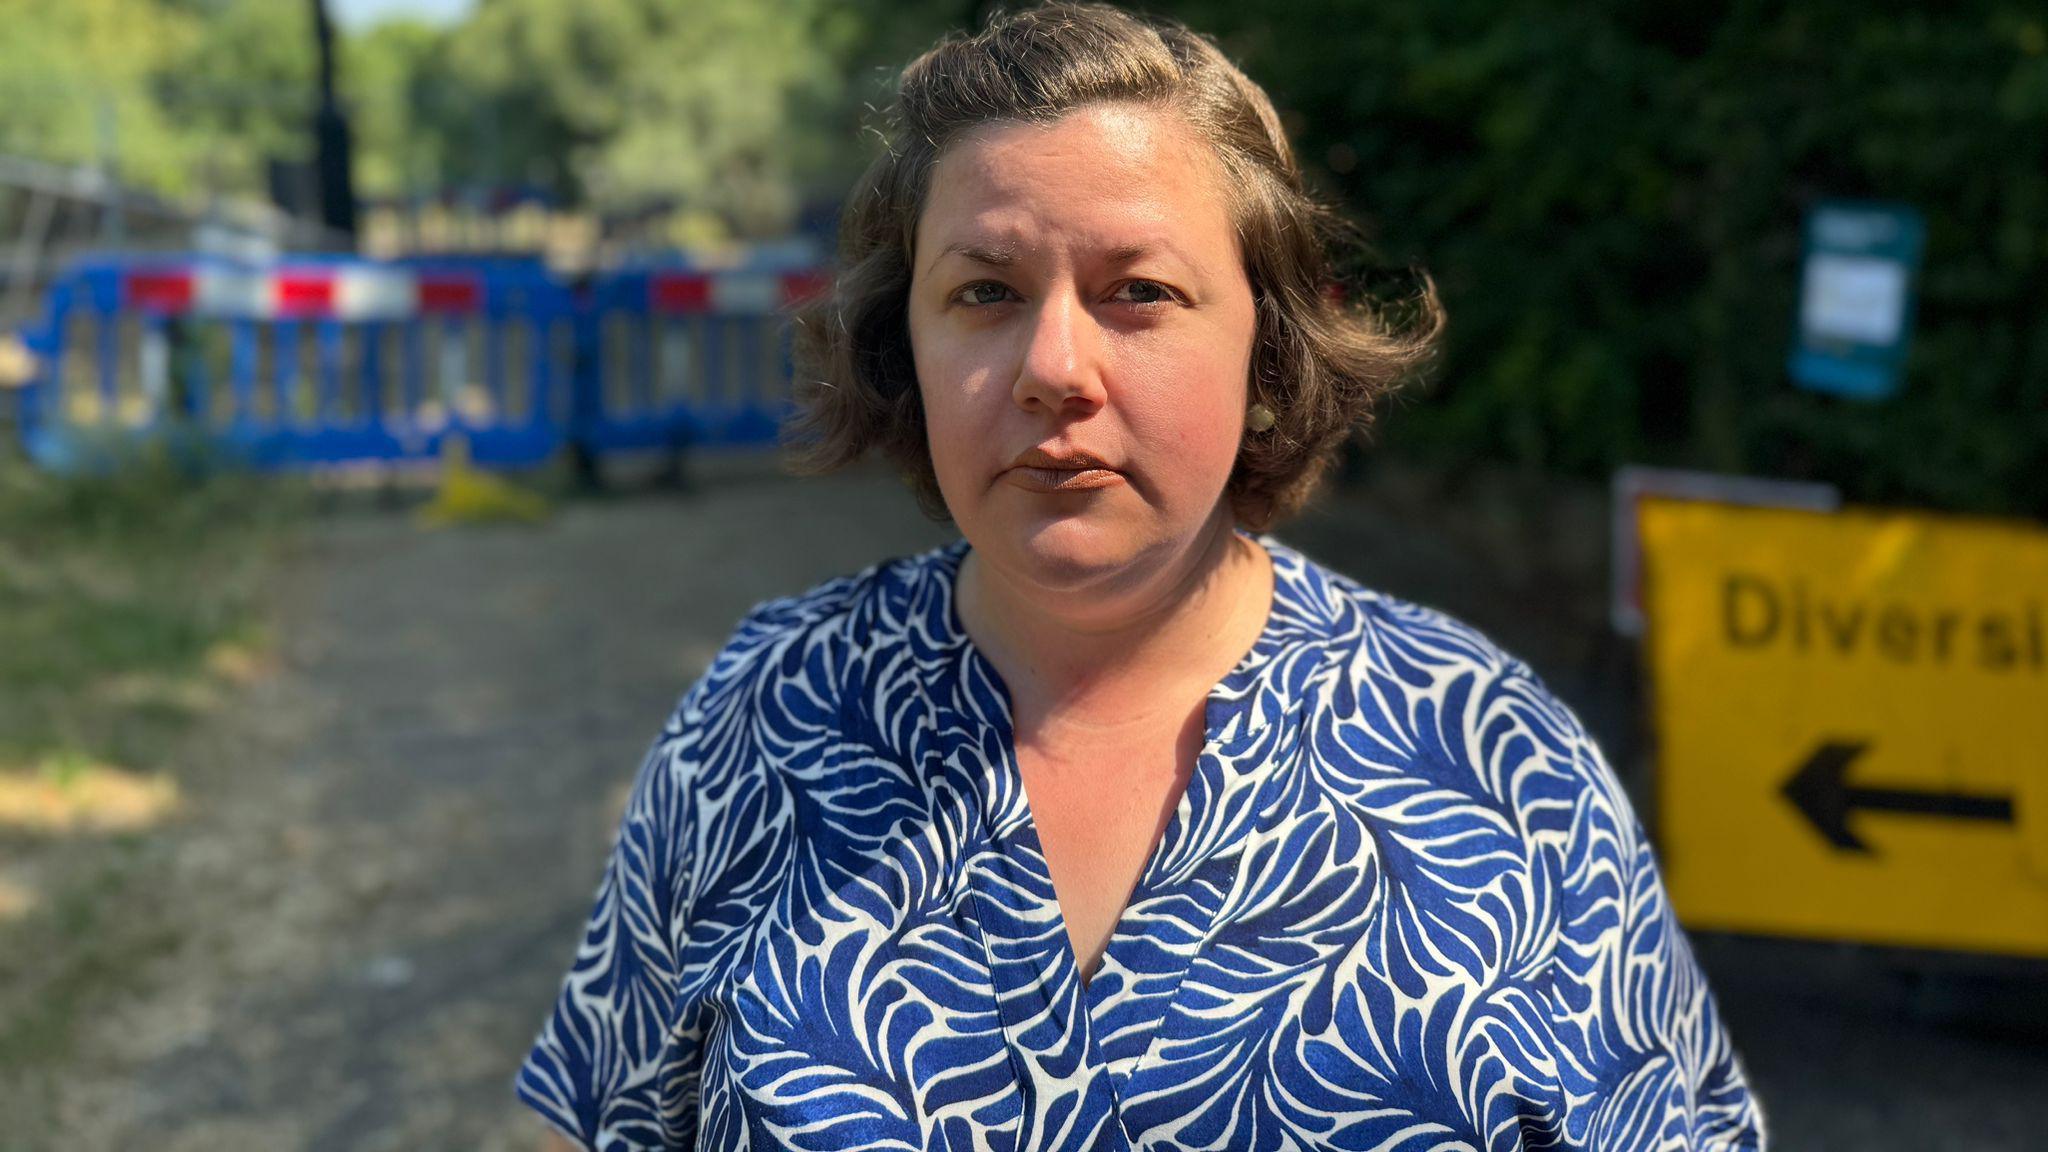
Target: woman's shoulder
x=1413 y=662
x=814 y=633
x=1360 y=620
x=882 y=597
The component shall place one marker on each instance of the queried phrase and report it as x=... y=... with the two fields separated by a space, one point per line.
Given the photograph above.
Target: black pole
x=330 y=139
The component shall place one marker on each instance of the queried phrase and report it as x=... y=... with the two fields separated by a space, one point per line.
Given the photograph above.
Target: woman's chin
x=1075 y=551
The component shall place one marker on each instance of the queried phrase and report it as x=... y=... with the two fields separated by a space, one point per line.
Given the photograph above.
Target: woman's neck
x=1138 y=659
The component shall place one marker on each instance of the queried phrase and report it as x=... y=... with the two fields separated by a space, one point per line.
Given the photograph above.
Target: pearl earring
x=1258 y=418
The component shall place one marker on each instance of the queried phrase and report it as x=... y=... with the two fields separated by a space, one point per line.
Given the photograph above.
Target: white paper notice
x=1859 y=298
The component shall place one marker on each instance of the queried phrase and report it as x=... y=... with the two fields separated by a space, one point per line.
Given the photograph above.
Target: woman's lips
x=1062 y=479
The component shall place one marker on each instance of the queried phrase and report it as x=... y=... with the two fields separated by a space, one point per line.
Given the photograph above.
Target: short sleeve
x=1644 y=1061
x=614 y=1066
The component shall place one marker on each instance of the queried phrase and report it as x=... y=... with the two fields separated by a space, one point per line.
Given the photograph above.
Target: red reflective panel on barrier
x=158 y=291
x=450 y=294
x=679 y=294
x=303 y=295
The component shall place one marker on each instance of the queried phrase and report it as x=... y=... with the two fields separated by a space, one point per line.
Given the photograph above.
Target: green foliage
x=1610 y=198
x=244 y=91
x=720 y=104
x=141 y=571
x=1609 y=195
x=389 y=82
x=77 y=83
x=93 y=940
x=175 y=95
x=733 y=107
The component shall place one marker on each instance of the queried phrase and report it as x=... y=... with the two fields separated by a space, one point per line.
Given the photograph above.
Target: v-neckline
x=1072 y=1029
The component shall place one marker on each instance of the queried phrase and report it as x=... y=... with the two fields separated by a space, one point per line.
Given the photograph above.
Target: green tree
x=242 y=92
x=730 y=106
x=393 y=93
x=1610 y=197
x=79 y=82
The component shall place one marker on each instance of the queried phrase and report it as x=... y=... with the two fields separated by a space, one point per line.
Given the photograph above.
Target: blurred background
x=387 y=394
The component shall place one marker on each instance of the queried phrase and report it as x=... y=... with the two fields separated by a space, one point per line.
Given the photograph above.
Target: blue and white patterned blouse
x=1402 y=906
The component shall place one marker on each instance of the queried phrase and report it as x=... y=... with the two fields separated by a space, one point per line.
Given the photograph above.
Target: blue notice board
x=1856 y=297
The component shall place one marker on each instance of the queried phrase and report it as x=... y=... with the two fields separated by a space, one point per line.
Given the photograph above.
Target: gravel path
x=392 y=851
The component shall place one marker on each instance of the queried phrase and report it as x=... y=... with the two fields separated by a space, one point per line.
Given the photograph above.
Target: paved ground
x=394 y=843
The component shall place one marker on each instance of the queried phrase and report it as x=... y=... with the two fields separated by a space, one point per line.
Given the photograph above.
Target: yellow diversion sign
x=1852 y=721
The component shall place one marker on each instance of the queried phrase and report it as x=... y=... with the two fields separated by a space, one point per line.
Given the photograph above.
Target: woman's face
x=1082 y=328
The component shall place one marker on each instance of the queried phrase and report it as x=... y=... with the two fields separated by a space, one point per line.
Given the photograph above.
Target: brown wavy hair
x=1322 y=359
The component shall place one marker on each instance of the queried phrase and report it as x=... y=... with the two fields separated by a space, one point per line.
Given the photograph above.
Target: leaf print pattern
x=1403 y=906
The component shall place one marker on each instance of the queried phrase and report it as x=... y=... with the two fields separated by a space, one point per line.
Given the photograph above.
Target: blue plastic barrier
x=311 y=362
x=690 y=357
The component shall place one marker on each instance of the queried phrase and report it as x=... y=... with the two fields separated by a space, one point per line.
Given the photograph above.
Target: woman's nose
x=1062 y=368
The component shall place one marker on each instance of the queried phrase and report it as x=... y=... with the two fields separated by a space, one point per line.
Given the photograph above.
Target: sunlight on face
x=1078 y=290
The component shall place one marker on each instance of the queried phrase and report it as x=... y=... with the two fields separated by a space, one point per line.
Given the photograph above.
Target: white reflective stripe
x=155 y=356
x=678 y=358
x=359 y=294
x=375 y=294
x=220 y=292
x=746 y=294
x=452 y=361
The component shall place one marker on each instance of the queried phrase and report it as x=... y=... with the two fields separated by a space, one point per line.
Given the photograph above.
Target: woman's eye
x=1144 y=292
x=982 y=292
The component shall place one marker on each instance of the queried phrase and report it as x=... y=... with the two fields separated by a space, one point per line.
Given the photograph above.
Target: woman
x=1115 y=825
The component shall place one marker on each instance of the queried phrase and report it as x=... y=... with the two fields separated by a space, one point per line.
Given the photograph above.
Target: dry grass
x=130 y=606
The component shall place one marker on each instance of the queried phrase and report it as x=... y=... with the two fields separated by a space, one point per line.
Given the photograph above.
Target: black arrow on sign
x=1825 y=798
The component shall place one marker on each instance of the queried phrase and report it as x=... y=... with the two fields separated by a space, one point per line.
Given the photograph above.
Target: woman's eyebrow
x=1132 y=253
x=1004 y=256
x=995 y=256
